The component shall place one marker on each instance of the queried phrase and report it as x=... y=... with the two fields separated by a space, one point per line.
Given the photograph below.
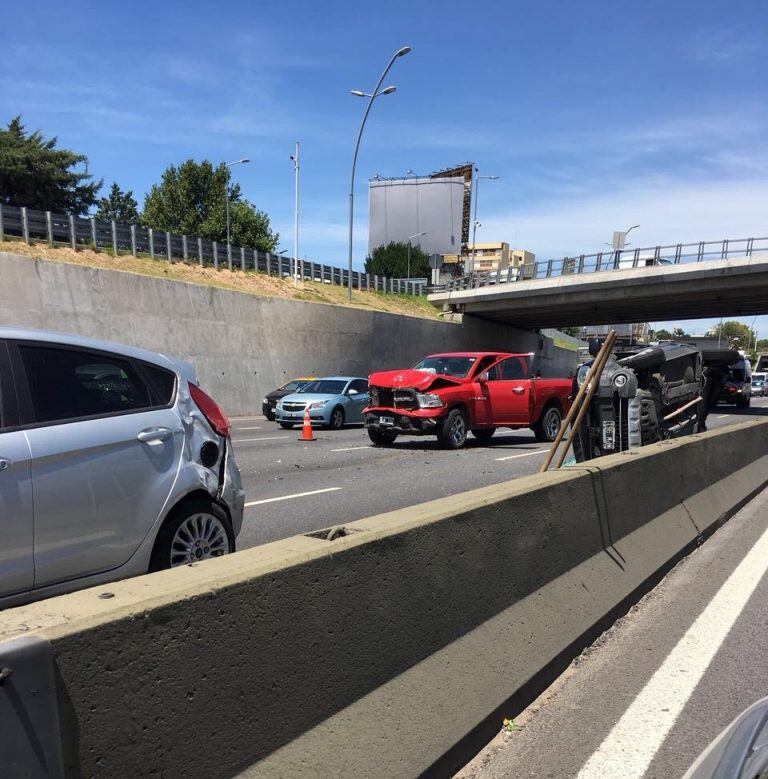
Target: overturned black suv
x=648 y=394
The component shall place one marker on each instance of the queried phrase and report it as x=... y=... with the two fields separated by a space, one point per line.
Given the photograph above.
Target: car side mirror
x=351 y=392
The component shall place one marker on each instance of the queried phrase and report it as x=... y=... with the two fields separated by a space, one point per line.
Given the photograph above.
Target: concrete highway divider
x=393 y=649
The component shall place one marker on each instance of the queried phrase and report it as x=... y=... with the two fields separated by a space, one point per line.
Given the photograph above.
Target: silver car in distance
x=113 y=463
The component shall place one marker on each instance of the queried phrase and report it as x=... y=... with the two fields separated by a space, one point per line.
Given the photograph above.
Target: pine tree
x=35 y=174
x=118 y=205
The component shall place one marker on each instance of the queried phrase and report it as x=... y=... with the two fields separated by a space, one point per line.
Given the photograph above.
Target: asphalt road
x=294 y=487
x=656 y=688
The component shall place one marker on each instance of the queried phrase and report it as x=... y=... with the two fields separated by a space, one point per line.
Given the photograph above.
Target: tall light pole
x=410 y=238
x=371 y=97
x=229 y=165
x=475 y=223
x=295 y=158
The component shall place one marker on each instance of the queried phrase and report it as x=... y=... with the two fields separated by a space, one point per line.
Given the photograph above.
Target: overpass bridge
x=681 y=281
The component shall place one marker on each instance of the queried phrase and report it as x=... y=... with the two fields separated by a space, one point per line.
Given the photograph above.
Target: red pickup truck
x=448 y=395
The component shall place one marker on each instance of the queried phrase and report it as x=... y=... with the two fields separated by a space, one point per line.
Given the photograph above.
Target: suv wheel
x=453 y=431
x=548 y=425
x=195 y=530
x=286 y=425
x=382 y=437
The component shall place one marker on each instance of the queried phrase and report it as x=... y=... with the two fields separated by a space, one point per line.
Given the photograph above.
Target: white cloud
x=668 y=212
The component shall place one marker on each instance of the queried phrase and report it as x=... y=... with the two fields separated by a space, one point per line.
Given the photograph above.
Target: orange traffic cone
x=306 y=428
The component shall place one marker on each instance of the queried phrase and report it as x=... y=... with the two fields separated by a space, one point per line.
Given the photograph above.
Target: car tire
x=548 y=424
x=336 y=419
x=485 y=435
x=286 y=425
x=269 y=417
x=382 y=437
x=195 y=530
x=453 y=431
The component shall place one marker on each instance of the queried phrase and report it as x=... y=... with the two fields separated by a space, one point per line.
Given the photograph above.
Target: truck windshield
x=324 y=387
x=446 y=365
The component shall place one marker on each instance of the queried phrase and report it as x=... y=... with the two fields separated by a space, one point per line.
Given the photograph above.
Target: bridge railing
x=626 y=259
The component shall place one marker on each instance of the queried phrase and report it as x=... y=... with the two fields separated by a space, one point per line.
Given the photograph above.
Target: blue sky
x=596 y=115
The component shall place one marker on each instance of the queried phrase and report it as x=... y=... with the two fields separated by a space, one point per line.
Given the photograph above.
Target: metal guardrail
x=79 y=232
x=672 y=254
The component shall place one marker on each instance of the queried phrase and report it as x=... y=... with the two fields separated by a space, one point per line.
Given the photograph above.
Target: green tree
x=392 y=260
x=118 y=205
x=575 y=332
x=191 y=199
x=678 y=333
x=35 y=174
x=661 y=335
x=734 y=335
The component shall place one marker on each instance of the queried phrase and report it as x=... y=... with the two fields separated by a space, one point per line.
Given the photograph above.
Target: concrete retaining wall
x=385 y=651
x=243 y=346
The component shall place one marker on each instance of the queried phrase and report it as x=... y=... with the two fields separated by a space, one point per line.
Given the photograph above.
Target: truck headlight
x=429 y=401
x=265 y=401
x=317 y=404
x=581 y=375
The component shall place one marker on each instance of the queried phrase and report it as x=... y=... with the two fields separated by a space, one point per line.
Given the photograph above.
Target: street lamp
x=410 y=238
x=295 y=158
x=371 y=97
x=475 y=223
x=228 y=166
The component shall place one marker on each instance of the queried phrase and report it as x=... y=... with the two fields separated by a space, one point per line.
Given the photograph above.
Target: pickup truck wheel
x=453 y=431
x=548 y=425
x=484 y=435
x=382 y=437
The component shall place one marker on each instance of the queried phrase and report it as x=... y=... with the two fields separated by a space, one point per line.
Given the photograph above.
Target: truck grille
x=294 y=406
x=385 y=397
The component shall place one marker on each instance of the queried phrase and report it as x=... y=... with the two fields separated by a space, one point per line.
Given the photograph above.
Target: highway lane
x=648 y=696
x=295 y=487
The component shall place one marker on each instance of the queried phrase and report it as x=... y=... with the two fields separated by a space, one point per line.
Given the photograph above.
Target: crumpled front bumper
x=424 y=421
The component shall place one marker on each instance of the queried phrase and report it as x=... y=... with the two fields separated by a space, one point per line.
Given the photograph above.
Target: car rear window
x=163 y=382
x=71 y=384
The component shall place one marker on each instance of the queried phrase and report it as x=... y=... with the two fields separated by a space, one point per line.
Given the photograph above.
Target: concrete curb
x=381 y=652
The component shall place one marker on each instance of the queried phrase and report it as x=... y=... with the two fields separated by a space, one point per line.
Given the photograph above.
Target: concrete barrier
x=391 y=650
x=242 y=345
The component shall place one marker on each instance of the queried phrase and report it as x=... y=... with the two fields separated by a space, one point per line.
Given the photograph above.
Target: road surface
x=656 y=688
x=294 y=487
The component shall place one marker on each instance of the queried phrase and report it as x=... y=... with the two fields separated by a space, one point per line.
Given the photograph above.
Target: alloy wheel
x=199 y=537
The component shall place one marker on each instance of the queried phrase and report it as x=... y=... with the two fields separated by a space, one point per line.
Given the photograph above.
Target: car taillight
x=217 y=419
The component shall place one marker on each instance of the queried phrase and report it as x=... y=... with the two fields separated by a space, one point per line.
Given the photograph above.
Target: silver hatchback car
x=113 y=463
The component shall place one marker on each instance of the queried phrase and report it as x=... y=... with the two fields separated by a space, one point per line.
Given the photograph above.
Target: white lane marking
x=527 y=454
x=722 y=416
x=351 y=448
x=237 y=429
x=629 y=748
x=247 y=419
x=263 y=438
x=289 y=497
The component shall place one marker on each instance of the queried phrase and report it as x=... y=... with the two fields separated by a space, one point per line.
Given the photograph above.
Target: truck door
x=508 y=389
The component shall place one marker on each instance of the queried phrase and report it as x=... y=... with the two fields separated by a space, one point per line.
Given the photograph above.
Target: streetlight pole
x=410 y=238
x=474 y=220
x=228 y=166
x=387 y=91
x=295 y=158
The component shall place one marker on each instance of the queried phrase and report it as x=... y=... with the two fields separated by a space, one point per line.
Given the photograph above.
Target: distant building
x=496 y=256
